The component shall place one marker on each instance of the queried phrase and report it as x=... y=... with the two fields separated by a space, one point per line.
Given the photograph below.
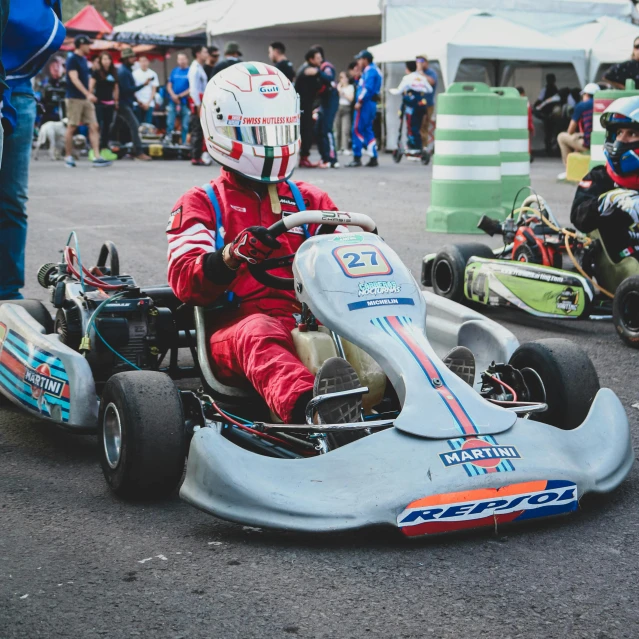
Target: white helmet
x=251 y=121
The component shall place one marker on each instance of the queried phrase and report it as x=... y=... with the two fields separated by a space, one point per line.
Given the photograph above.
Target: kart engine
x=129 y=326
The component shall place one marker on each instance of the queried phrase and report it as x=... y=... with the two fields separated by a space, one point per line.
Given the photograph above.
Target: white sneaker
x=562 y=176
x=207 y=159
x=347 y=152
x=69 y=161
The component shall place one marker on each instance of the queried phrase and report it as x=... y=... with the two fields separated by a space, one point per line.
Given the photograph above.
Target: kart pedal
x=461 y=361
x=336 y=375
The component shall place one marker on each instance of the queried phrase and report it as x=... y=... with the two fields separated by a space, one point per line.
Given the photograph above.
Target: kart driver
x=607 y=199
x=251 y=121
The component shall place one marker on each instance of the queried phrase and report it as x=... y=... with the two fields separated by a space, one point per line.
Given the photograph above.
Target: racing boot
x=461 y=361
x=356 y=161
x=336 y=375
x=372 y=162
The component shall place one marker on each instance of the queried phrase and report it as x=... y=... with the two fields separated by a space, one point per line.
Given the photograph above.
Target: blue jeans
x=144 y=117
x=172 y=115
x=14 y=184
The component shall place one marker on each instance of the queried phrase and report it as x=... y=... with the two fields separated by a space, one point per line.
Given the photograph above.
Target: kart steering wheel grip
x=331 y=218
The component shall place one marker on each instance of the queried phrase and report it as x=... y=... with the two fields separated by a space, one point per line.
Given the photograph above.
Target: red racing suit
x=253 y=341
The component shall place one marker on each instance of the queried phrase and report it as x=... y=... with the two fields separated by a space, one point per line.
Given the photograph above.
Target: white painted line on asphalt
x=251 y=529
x=635 y=405
x=162 y=557
x=215 y=543
x=24 y=596
x=143 y=561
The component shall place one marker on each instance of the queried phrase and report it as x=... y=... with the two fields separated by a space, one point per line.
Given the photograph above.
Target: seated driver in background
x=607 y=199
x=250 y=118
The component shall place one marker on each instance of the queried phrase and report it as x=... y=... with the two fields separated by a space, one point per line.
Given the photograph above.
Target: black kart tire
x=569 y=378
x=625 y=311
x=449 y=266
x=147 y=407
x=37 y=310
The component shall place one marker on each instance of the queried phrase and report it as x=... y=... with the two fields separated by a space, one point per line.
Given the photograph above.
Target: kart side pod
x=540 y=290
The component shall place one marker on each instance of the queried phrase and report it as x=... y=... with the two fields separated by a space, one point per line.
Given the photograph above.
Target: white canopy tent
x=607 y=40
x=479 y=35
x=549 y=16
x=343 y=28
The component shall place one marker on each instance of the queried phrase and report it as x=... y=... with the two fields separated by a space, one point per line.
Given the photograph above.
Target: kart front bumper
x=421 y=485
x=43 y=376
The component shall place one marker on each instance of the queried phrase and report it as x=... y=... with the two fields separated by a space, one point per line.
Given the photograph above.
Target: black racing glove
x=254 y=245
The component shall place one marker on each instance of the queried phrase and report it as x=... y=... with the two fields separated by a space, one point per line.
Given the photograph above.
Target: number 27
x=356 y=259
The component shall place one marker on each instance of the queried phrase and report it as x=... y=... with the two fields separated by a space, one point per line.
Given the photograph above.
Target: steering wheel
x=330 y=218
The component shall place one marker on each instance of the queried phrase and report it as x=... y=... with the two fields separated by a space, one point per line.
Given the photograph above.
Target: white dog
x=53 y=133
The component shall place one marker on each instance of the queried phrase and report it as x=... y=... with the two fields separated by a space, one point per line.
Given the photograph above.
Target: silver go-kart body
x=451 y=461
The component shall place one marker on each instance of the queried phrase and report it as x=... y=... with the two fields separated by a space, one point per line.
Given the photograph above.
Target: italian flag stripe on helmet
x=284 y=162
x=252 y=69
x=268 y=163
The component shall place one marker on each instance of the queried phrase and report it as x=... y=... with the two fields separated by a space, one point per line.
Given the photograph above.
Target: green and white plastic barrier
x=514 y=146
x=467 y=180
x=602 y=100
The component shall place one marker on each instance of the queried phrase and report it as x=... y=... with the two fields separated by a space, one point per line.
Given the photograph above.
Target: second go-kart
x=526 y=272
x=494 y=432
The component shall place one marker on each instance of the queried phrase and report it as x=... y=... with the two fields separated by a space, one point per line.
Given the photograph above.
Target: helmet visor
x=262 y=134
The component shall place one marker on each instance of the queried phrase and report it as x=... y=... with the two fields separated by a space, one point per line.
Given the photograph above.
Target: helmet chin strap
x=626 y=181
x=276 y=206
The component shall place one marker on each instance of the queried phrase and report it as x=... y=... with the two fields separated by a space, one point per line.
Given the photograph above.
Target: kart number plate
x=362 y=260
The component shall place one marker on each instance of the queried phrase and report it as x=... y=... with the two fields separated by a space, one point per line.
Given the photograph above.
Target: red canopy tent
x=88 y=21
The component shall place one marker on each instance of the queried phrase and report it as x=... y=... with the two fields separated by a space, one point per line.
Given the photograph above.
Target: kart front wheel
x=141 y=435
x=568 y=376
x=37 y=310
x=449 y=267
x=625 y=311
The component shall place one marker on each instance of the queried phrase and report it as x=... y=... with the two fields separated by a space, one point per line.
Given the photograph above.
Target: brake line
x=510 y=389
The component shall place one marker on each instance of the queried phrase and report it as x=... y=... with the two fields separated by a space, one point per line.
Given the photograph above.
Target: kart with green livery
x=526 y=272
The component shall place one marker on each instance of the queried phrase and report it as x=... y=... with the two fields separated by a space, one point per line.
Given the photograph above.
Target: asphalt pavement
x=77 y=562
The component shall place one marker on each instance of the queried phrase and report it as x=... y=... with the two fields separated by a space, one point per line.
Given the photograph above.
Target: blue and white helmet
x=622 y=157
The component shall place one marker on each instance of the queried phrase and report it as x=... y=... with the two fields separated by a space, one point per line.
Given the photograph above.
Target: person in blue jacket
x=366 y=99
x=34 y=32
x=329 y=105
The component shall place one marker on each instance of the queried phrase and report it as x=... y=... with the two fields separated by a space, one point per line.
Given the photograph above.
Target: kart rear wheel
x=141 y=435
x=625 y=311
x=569 y=378
x=37 y=310
x=449 y=266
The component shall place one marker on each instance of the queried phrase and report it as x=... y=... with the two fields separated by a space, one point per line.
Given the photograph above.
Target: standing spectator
x=545 y=105
x=128 y=88
x=414 y=88
x=329 y=104
x=422 y=64
x=307 y=86
x=346 y=92
x=178 y=89
x=629 y=70
x=104 y=86
x=531 y=126
x=213 y=59
x=367 y=97
x=81 y=103
x=145 y=97
x=232 y=55
x=573 y=140
x=33 y=33
x=277 y=55
x=197 y=86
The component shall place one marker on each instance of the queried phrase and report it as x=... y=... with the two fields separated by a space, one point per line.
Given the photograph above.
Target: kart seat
x=609 y=274
x=220 y=391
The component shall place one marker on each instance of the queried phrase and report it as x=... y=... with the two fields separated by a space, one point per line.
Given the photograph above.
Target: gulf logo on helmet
x=269 y=89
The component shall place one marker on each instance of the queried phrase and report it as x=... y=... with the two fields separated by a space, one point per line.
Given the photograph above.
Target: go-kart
x=526 y=272
x=522 y=434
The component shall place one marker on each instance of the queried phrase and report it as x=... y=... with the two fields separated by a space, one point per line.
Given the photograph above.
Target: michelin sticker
x=378 y=288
